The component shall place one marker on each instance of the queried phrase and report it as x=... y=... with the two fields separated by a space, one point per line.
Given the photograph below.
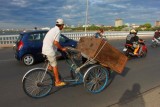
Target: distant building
x=134 y=26
x=157 y=23
x=86 y=25
x=45 y=28
x=127 y=24
x=72 y=26
x=99 y=25
x=118 y=22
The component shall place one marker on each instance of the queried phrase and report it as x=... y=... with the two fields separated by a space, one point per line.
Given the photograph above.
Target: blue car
x=28 y=47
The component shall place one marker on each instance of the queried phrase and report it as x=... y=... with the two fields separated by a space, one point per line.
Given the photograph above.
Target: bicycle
x=38 y=82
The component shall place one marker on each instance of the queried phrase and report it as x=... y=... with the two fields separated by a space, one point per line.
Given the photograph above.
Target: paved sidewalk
x=6 y=45
x=149 y=98
x=152 y=98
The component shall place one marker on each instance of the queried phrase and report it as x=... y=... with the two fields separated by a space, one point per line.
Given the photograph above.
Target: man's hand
x=64 y=49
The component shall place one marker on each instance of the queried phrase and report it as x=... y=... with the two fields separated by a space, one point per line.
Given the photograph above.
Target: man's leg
x=56 y=74
x=53 y=63
x=58 y=82
x=140 y=50
x=136 y=50
x=50 y=68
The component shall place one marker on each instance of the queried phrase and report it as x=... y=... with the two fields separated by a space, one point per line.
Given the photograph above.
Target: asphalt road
x=140 y=75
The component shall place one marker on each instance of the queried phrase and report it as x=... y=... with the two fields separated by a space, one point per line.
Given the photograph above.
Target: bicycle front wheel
x=96 y=78
x=37 y=83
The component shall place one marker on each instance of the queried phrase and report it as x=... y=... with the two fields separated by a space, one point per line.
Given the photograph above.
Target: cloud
x=119 y=6
x=20 y=3
x=68 y=7
x=45 y=12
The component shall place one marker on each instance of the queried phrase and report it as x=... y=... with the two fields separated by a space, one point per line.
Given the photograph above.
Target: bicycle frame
x=73 y=66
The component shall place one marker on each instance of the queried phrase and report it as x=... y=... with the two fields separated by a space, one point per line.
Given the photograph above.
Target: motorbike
x=155 y=42
x=129 y=49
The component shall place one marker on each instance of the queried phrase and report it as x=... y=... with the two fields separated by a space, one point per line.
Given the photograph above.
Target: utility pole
x=86 y=23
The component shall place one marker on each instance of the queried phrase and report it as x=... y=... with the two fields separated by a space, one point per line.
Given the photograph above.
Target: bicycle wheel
x=96 y=78
x=34 y=86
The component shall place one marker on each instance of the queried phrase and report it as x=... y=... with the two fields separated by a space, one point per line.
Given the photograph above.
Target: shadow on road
x=132 y=98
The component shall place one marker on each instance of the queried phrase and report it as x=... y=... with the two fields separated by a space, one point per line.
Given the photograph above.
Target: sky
x=43 y=13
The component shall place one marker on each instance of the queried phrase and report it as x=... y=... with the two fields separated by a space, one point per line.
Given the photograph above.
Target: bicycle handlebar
x=71 y=51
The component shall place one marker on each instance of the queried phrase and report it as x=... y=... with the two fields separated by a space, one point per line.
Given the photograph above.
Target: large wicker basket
x=103 y=52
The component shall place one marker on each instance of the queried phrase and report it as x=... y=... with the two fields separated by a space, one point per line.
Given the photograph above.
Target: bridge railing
x=10 y=39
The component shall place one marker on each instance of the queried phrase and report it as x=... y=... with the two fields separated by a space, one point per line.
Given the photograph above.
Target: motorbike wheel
x=144 y=53
x=154 y=44
x=127 y=54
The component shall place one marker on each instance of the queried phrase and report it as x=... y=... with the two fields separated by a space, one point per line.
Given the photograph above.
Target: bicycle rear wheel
x=96 y=78
x=34 y=86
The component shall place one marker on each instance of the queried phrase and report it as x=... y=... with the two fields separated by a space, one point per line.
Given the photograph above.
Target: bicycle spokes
x=35 y=86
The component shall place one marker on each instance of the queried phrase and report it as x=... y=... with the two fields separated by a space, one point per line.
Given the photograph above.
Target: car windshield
x=19 y=38
x=63 y=39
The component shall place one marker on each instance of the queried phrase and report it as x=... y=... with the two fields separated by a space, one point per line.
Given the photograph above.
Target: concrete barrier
x=8 y=40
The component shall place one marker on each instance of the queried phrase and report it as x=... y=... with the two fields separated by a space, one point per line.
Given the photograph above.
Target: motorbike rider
x=133 y=39
x=99 y=33
x=129 y=37
x=157 y=34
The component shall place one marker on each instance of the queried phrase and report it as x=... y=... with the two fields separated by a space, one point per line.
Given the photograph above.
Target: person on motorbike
x=99 y=33
x=133 y=39
x=157 y=34
x=129 y=37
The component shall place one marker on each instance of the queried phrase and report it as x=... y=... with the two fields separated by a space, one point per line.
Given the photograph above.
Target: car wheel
x=28 y=59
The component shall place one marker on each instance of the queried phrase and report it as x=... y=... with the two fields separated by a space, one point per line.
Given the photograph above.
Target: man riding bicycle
x=50 y=45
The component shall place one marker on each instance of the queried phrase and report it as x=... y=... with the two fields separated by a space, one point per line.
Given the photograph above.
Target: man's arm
x=56 y=43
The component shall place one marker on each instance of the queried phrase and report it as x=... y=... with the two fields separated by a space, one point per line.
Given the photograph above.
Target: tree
x=147 y=25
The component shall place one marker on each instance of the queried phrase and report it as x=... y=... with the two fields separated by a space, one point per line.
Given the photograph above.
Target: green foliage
x=144 y=27
x=156 y=28
x=94 y=28
x=147 y=25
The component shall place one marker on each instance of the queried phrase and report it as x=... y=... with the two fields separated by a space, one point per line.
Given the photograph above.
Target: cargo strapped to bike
x=101 y=51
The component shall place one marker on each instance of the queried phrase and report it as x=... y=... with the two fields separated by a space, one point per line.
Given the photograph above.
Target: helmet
x=133 y=31
x=59 y=22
